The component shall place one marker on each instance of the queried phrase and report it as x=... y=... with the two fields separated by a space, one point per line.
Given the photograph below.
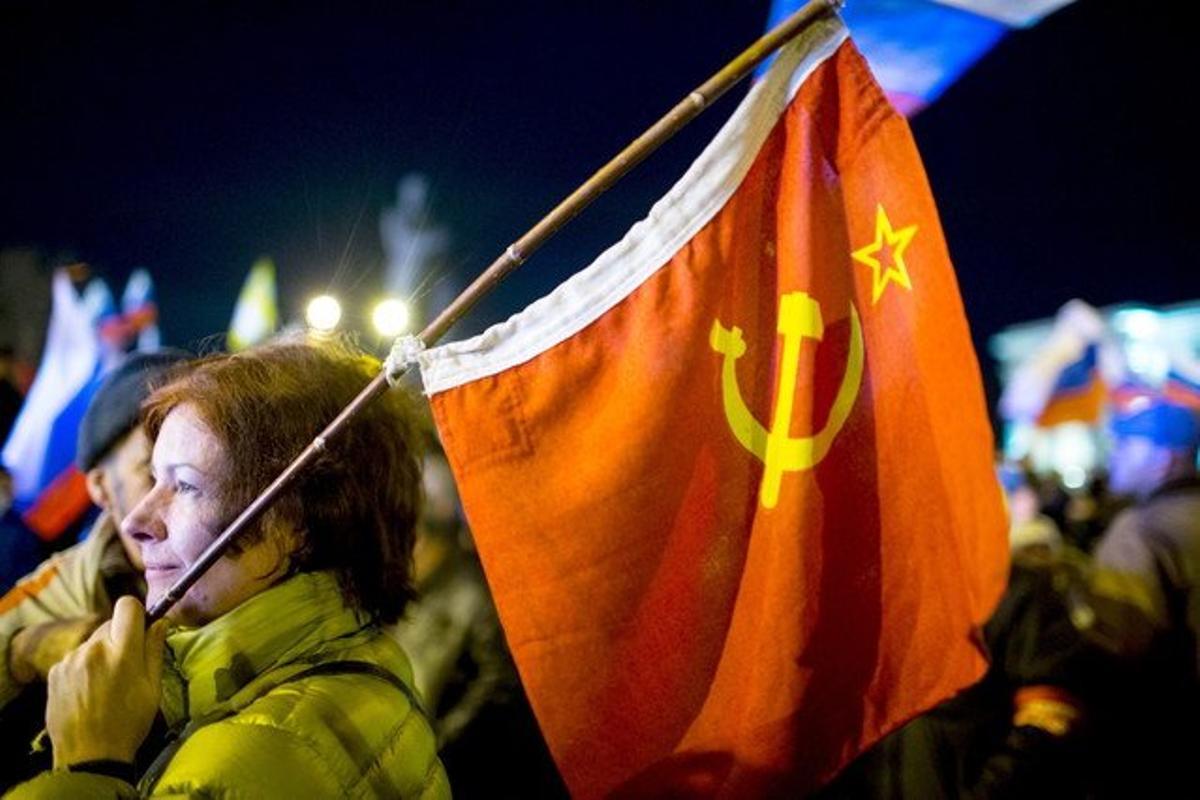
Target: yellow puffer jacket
x=289 y=695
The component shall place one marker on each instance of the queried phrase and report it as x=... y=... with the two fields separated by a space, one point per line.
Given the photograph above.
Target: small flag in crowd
x=139 y=307
x=1079 y=394
x=732 y=484
x=1167 y=415
x=1068 y=377
x=256 y=315
x=135 y=325
x=40 y=450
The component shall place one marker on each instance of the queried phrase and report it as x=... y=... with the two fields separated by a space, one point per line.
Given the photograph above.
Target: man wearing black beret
x=59 y=604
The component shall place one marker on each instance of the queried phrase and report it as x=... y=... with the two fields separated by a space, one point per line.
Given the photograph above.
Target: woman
x=277 y=681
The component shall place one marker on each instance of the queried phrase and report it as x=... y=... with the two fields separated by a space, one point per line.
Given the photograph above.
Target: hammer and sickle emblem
x=799 y=318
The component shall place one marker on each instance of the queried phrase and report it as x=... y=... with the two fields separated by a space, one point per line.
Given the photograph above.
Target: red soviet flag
x=732 y=484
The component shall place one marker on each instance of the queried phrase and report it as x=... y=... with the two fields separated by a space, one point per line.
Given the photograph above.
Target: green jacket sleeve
x=54 y=784
x=219 y=760
x=246 y=760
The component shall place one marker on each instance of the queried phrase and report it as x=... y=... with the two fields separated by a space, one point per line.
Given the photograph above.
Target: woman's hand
x=102 y=697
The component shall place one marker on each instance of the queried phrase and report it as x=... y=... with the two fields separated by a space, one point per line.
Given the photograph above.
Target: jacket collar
x=290 y=622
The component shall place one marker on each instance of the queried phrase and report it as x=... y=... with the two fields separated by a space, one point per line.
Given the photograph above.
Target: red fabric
x=1182 y=394
x=120 y=329
x=677 y=637
x=59 y=506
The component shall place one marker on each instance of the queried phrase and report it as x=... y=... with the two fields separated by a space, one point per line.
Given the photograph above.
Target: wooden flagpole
x=683 y=113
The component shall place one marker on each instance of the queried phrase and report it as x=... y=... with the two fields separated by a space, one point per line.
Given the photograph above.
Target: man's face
x=126 y=480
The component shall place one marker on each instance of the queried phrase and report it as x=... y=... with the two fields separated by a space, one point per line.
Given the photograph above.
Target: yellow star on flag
x=896 y=241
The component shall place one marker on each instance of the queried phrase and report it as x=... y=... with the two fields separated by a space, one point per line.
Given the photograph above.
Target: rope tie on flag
x=405 y=351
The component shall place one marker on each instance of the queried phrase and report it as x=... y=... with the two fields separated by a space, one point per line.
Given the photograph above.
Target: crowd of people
x=1092 y=689
x=348 y=646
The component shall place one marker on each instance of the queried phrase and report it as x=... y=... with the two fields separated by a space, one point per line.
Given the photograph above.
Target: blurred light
x=1075 y=453
x=1083 y=615
x=1145 y=354
x=1019 y=436
x=1148 y=361
x=1074 y=476
x=323 y=312
x=390 y=317
x=1138 y=323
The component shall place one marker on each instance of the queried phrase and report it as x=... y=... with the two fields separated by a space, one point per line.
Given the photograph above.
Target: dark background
x=191 y=137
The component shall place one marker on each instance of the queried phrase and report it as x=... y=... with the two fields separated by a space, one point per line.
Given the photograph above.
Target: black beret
x=113 y=410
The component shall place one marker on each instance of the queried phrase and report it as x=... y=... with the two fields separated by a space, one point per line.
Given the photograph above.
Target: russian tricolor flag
x=1079 y=394
x=40 y=451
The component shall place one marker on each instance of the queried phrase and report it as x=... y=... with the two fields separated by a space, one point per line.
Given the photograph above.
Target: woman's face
x=183 y=513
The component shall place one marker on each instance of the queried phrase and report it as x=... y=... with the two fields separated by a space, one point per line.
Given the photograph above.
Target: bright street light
x=390 y=317
x=323 y=312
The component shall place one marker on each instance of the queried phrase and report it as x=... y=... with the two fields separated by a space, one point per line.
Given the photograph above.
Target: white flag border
x=650 y=243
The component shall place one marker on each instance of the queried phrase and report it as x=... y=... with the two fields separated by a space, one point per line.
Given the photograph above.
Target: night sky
x=192 y=137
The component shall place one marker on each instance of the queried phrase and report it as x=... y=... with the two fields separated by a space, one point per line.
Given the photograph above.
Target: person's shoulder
x=61 y=586
x=1161 y=527
x=1176 y=510
x=337 y=726
x=1125 y=530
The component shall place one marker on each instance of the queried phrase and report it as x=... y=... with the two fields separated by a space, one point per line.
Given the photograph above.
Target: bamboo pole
x=516 y=254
